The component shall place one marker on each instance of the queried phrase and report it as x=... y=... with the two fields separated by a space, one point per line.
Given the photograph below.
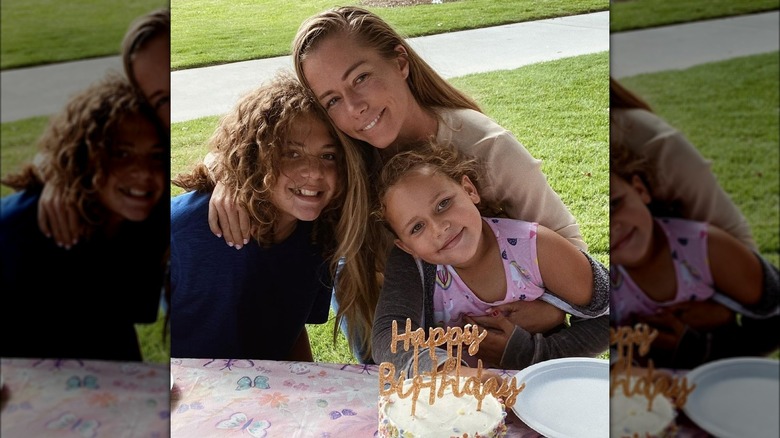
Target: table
x=220 y=397
x=84 y=398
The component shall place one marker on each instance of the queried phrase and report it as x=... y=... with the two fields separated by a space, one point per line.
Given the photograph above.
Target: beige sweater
x=684 y=175
x=514 y=179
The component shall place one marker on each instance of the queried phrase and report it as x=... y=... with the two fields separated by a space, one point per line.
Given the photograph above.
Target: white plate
x=565 y=398
x=736 y=397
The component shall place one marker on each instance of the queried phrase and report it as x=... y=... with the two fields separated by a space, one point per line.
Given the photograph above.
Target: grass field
x=38 y=32
x=640 y=14
x=221 y=31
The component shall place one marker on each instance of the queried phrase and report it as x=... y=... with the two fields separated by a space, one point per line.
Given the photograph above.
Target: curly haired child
x=299 y=181
x=107 y=155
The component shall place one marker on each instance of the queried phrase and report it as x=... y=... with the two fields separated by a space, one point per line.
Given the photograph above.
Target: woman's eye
x=162 y=101
x=361 y=78
x=330 y=102
x=329 y=157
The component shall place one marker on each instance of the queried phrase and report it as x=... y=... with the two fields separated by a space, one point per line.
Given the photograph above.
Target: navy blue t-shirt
x=82 y=302
x=241 y=304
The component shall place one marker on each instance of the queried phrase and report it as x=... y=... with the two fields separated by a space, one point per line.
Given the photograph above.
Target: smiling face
x=151 y=68
x=434 y=217
x=136 y=174
x=630 y=221
x=308 y=176
x=366 y=95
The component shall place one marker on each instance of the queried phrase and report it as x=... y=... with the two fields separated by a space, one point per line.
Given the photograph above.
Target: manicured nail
x=230 y=244
x=238 y=246
x=219 y=236
x=246 y=241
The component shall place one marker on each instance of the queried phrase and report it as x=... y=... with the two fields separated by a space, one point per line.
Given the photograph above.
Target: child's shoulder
x=17 y=205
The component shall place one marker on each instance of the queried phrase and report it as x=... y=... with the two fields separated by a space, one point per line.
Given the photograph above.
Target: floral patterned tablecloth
x=233 y=398
x=84 y=398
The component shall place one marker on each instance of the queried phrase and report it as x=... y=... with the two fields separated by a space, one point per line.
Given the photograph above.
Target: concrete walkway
x=213 y=90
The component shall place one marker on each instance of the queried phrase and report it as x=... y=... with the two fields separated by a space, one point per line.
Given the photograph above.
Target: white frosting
x=629 y=415
x=446 y=416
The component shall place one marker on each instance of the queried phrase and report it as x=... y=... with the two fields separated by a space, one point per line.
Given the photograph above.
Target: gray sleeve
x=599 y=304
x=583 y=338
x=402 y=297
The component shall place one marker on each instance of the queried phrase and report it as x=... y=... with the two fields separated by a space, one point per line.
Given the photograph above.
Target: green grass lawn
x=37 y=32
x=222 y=31
x=640 y=14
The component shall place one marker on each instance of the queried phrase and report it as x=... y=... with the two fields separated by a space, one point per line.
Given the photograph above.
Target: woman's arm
x=402 y=297
x=583 y=338
x=226 y=219
x=530 y=197
x=515 y=179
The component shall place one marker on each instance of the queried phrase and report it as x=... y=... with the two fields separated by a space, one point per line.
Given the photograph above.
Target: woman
x=377 y=90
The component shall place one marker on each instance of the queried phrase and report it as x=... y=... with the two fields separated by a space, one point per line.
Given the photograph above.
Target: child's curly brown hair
x=75 y=148
x=248 y=147
x=442 y=159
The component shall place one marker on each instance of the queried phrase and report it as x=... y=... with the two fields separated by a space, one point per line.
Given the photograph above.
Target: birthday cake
x=442 y=402
x=448 y=416
x=630 y=416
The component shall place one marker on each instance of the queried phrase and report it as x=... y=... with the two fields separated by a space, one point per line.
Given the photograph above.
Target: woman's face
x=136 y=174
x=366 y=95
x=151 y=67
x=308 y=174
x=434 y=217
x=630 y=221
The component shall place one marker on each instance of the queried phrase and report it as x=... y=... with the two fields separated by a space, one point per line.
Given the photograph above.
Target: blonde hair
x=142 y=30
x=361 y=276
x=365 y=27
x=78 y=143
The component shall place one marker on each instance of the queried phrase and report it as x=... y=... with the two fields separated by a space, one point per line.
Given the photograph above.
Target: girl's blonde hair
x=78 y=143
x=361 y=277
x=440 y=159
x=142 y=30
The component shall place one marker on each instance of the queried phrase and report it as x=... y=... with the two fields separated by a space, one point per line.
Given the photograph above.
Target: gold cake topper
x=649 y=384
x=449 y=376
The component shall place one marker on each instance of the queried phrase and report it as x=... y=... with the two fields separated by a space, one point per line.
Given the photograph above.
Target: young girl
x=109 y=158
x=662 y=266
x=469 y=263
x=299 y=183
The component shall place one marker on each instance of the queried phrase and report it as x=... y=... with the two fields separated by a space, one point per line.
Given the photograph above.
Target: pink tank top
x=452 y=298
x=688 y=246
